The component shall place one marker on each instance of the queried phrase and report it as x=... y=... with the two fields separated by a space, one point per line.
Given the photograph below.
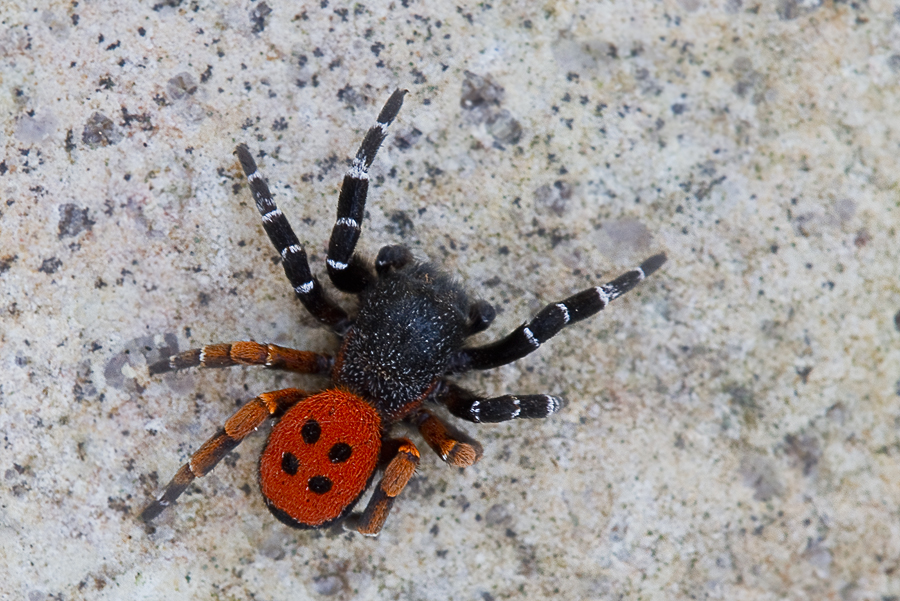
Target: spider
x=408 y=334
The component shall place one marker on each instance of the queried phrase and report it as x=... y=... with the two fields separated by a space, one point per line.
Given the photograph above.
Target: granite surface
x=733 y=426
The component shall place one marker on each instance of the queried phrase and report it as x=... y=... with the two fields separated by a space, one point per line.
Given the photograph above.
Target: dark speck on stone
x=166 y=4
x=50 y=265
x=100 y=131
x=407 y=139
x=402 y=224
x=553 y=198
x=761 y=474
x=351 y=97
x=478 y=91
x=258 y=17
x=73 y=220
x=181 y=86
x=7 y=261
x=788 y=10
x=804 y=450
x=504 y=127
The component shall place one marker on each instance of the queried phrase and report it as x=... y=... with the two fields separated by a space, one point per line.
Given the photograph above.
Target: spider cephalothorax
x=408 y=334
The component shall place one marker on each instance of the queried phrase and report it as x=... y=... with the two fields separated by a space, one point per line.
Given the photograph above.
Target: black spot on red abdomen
x=289 y=463
x=340 y=452
x=311 y=431
x=320 y=484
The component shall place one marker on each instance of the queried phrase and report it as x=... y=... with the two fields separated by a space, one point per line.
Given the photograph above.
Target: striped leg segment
x=474 y=408
x=348 y=274
x=552 y=318
x=296 y=267
x=246 y=353
x=396 y=475
x=452 y=446
x=247 y=419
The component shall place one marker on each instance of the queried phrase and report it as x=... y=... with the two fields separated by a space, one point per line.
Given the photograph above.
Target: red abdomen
x=320 y=458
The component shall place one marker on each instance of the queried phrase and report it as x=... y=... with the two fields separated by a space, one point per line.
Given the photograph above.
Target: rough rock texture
x=733 y=427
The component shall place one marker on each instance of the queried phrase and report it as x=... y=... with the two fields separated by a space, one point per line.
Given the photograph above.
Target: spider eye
x=289 y=463
x=320 y=484
x=340 y=452
x=311 y=431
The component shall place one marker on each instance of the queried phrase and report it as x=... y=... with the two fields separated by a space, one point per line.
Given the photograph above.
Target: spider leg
x=452 y=446
x=243 y=422
x=246 y=353
x=551 y=319
x=469 y=406
x=399 y=471
x=348 y=273
x=296 y=267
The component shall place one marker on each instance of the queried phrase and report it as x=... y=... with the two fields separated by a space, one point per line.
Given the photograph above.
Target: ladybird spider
x=407 y=335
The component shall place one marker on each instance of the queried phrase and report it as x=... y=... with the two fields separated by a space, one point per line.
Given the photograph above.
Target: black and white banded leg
x=296 y=267
x=348 y=273
x=552 y=318
x=469 y=406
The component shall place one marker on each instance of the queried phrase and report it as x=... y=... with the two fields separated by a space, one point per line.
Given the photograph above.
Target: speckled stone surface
x=733 y=427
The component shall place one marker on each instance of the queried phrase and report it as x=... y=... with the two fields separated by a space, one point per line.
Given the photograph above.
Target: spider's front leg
x=293 y=257
x=247 y=419
x=347 y=272
x=551 y=319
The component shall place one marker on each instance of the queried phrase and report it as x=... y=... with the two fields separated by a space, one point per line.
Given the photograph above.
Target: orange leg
x=238 y=426
x=246 y=353
x=396 y=475
x=450 y=444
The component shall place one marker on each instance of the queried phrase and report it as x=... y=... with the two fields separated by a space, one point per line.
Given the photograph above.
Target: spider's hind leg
x=404 y=457
x=347 y=274
x=245 y=421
